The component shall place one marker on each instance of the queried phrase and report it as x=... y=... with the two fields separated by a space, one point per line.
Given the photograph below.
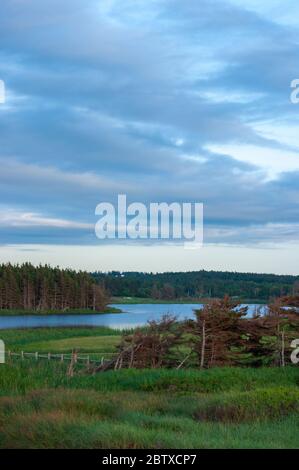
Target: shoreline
x=115 y=310
x=48 y=313
x=151 y=301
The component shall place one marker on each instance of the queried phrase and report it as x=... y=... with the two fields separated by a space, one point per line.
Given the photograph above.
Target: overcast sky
x=162 y=100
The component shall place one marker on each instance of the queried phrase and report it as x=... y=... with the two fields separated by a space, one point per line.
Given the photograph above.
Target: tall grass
x=41 y=407
x=64 y=418
x=20 y=377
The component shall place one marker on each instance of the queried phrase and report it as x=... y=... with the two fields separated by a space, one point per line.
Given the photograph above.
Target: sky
x=161 y=100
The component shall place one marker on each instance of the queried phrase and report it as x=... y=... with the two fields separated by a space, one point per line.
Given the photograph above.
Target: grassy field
x=98 y=341
x=41 y=407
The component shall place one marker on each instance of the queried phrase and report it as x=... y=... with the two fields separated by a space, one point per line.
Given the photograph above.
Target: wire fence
x=69 y=357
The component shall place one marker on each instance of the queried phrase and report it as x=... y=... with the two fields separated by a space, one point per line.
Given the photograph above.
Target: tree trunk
x=282 y=348
x=203 y=345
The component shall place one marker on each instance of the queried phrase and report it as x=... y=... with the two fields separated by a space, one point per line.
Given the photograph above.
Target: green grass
x=17 y=339
x=30 y=375
x=83 y=344
x=97 y=342
x=73 y=419
x=250 y=406
x=41 y=407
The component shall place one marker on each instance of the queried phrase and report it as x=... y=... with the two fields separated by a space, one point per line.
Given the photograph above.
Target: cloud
x=164 y=101
x=19 y=219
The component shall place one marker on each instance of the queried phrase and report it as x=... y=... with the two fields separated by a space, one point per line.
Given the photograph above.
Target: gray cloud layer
x=109 y=97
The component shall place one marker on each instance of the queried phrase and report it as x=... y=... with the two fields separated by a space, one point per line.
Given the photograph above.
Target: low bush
x=255 y=405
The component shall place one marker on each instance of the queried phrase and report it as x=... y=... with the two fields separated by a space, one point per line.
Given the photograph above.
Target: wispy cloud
x=19 y=219
x=161 y=100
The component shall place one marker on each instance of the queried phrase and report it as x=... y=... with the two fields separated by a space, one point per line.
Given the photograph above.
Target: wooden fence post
x=62 y=357
x=36 y=356
x=22 y=355
x=49 y=356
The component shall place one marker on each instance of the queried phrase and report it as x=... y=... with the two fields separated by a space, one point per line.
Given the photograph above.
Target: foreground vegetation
x=41 y=406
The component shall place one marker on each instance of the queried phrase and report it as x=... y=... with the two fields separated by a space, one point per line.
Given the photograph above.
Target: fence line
x=62 y=357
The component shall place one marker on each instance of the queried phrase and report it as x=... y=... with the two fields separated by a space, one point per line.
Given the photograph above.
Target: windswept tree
x=152 y=347
x=221 y=334
x=290 y=301
x=216 y=332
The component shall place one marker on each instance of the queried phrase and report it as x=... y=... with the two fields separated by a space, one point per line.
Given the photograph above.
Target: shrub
x=260 y=404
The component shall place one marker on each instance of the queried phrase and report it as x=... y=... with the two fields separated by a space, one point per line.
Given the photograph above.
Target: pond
x=132 y=316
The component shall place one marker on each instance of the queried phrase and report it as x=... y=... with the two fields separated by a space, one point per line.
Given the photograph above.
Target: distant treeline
x=44 y=288
x=198 y=284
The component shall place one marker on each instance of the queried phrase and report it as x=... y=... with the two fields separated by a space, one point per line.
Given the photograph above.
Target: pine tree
x=44 y=288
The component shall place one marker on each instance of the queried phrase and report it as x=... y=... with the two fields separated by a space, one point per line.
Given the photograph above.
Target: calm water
x=134 y=315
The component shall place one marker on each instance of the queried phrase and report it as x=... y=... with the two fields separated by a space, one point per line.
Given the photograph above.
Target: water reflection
x=132 y=316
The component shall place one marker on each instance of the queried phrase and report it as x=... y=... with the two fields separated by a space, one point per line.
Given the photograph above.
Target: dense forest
x=198 y=284
x=43 y=288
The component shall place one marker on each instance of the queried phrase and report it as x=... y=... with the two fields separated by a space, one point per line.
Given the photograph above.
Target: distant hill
x=198 y=284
